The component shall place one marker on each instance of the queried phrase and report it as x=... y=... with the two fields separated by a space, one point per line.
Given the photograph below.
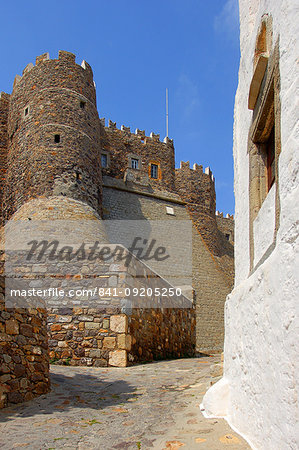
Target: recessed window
x=104 y=160
x=82 y=105
x=26 y=111
x=154 y=171
x=270 y=150
x=134 y=163
x=227 y=237
x=57 y=138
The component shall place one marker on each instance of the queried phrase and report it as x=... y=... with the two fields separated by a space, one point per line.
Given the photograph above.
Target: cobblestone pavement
x=149 y=406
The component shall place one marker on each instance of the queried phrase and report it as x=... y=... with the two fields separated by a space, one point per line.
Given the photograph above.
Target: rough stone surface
x=260 y=351
x=110 y=337
x=24 y=360
x=150 y=406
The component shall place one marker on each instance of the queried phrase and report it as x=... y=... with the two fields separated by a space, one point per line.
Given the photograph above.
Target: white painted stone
x=216 y=400
x=264 y=226
x=260 y=332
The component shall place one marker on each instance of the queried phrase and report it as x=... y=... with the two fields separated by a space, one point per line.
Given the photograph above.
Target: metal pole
x=166 y=112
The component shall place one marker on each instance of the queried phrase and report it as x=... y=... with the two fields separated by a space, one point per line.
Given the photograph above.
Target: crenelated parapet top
x=63 y=57
x=185 y=165
x=228 y=216
x=138 y=133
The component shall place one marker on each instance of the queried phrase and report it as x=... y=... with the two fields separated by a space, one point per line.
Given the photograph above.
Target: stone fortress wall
x=24 y=356
x=52 y=143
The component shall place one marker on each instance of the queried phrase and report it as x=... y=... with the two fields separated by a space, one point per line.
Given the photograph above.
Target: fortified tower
x=68 y=173
x=53 y=134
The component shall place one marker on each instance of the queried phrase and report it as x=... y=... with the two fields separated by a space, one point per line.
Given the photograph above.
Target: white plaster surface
x=264 y=226
x=261 y=333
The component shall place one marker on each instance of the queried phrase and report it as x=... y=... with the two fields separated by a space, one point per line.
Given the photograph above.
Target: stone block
x=119 y=323
x=109 y=342
x=95 y=353
x=64 y=319
x=12 y=327
x=118 y=358
x=84 y=318
x=92 y=325
x=124 y=342
x=106 y=323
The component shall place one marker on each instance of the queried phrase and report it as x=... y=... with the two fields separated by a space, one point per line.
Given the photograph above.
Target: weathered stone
x=12 y=327
x=95 y=353
x=119 y=323
x=92 y=325
x=118 y=358
x=64 y=319
x=86 y=318
x=15 y=397
x=106 y=323
x=26 y=330
x=109 y=342
x=124 y=341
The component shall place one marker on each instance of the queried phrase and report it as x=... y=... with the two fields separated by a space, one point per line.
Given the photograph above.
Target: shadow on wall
x=74 y=391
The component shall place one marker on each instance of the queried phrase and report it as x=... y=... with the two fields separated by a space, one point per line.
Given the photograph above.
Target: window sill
x=256 y=81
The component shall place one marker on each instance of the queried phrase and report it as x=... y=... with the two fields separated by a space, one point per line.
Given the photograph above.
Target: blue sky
x=137 y=49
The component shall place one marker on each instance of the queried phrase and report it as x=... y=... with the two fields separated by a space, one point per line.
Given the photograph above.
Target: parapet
x=4 y=97
x=228 y=216
x=63 y=57
x=196 y=168
x=153 y=137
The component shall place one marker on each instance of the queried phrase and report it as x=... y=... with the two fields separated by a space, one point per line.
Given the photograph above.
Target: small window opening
x=270 y=150
x=26 y=112
x=77 y=176
x=227 y=237
x=82 y=105
x=57 y=138
x=104 y=160
x=134 y=163
x=154 y=171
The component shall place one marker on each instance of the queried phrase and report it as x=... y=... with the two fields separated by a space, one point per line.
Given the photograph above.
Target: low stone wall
x=88 y=337
x=161 y=334
x=127 y=329
x=24 y=360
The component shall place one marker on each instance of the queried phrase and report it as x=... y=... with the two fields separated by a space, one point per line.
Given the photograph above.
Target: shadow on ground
x=74 y=391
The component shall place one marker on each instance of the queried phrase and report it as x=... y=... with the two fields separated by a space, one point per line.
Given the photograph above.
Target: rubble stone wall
x=24 y=360
x=126 y=329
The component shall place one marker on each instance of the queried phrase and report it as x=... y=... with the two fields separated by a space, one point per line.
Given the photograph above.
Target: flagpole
x=166 y=112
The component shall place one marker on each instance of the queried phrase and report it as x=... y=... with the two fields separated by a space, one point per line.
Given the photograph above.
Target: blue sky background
x=137 y=49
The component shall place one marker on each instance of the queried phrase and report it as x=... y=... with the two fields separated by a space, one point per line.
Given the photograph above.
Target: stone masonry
x=59 y=161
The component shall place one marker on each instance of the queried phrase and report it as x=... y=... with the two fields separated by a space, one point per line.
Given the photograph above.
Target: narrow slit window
x=104 y=160
x=82 y=105
x=134 y=163
x=154 y=171
x=26 y=111
x=57 y=138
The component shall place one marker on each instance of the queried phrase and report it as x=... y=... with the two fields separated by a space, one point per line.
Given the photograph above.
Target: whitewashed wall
x=258 y=392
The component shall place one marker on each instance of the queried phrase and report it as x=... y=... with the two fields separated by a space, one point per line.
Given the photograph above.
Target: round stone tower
x=53 y=135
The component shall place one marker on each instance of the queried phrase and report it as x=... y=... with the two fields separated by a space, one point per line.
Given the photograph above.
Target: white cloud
x=227 y=21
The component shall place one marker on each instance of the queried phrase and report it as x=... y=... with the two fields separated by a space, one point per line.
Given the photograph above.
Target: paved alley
x=149 y=406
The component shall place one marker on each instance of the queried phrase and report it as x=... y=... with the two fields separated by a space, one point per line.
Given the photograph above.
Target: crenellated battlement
x=185 y=167
x=139 y=134
x=227 y=216
x=196 y=187
x=64 y=57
